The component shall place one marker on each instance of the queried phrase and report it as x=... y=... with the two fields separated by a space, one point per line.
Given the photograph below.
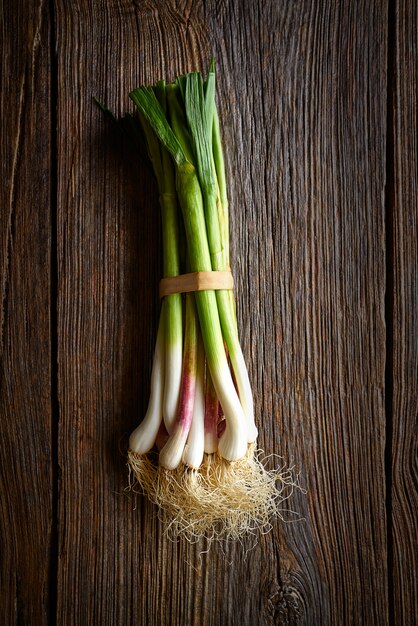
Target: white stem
x=173 y=362
x=233 y=443
x=244 y=390
x=210 y=442
x=173 y=369
x=143 y=437
x=193 y=451
x=170 y=455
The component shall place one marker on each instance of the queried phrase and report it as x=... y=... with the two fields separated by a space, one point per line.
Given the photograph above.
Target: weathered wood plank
x=302 y=99
x=405 y=307
x=305 y=125
x=25 y=360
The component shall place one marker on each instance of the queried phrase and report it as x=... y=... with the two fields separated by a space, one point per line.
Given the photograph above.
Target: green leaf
x=146 y=100
x=198 y=123
x=178 y=120
x=104 y=108
x=210 y=104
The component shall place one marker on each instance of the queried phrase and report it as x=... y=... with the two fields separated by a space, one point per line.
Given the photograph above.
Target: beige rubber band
x=196 y=281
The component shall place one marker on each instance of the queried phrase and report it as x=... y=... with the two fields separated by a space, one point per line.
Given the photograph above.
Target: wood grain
x=302 y=99
x=307 y=123
x=25 y=390
x=404 y=259
x=323 y=226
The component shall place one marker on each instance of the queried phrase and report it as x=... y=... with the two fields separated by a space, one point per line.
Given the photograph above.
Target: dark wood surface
x=318 y=110
x=404 y=257
x=25 y=347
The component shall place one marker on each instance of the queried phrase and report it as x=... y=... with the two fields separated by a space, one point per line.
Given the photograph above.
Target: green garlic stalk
x=208 y=480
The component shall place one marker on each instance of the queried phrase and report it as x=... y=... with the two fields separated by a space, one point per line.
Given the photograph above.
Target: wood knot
x=285 y=606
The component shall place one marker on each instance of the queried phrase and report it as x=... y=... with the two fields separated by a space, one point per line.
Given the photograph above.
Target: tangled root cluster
x=221 y=500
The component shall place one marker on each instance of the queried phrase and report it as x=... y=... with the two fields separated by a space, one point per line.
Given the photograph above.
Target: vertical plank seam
x=389 y=295
x=53 y=562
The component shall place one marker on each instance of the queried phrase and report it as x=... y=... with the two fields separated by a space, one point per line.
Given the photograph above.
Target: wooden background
x=318 y=106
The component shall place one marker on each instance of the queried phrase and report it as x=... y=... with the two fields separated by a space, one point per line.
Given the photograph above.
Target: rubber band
x=196 y=281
